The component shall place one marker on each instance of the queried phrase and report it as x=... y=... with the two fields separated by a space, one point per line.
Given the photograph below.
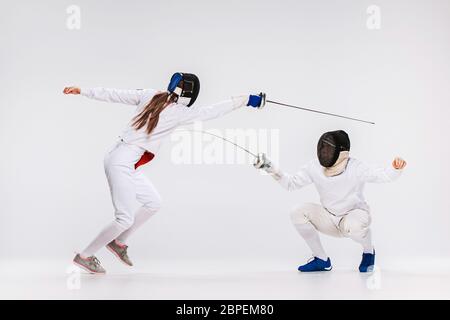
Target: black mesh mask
x=330 y=145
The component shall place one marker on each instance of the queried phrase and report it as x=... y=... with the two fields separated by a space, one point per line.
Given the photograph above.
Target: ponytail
x=150 y=114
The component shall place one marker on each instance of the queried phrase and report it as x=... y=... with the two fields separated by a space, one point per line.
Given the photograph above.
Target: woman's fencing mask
x=186 y=86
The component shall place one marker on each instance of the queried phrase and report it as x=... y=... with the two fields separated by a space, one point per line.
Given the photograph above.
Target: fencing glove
x=263 y=163
x=257 y=101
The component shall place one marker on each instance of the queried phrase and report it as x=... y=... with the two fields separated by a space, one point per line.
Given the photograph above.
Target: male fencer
x=343 y=211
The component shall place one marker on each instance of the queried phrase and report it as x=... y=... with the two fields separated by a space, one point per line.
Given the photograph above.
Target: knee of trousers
x=154 y=204
x=124 y=221
x=354 y=228
x=299 y=214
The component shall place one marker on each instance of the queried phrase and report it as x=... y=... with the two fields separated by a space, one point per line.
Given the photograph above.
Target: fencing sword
x=222 y=138
x=260 y=158
x=260 y=161
x=264 y=101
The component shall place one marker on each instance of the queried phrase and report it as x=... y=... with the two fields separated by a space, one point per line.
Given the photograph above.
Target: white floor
x=216 y=280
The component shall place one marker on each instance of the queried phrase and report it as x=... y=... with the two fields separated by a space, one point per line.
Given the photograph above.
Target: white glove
x=262 y=162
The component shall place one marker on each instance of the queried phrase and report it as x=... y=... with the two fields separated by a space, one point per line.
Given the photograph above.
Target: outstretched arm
x=201 y=113
x=132 y=97
x=198 y=113
x=287 y=181
x=381 y=175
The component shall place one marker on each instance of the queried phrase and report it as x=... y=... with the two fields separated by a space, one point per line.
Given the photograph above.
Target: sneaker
x=316 y=264
x=90 y=264
x=368 y=262
x=120 y=251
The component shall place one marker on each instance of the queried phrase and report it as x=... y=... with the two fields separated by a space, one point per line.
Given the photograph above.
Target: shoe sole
x=370 y=269
x=117 y=255
x=324 y=270
x=87 y=269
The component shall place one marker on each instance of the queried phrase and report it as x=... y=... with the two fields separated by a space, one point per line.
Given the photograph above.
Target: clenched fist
x=71 y=90
x=398 y=163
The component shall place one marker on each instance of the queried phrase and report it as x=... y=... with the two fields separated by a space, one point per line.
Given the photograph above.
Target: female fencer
x=158 y=113
x=343 y=212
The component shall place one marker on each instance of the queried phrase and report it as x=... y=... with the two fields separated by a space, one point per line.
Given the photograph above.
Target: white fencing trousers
x=126 y=185
x=310 y=218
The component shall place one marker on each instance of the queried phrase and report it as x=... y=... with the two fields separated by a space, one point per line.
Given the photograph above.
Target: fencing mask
x=186 y=86
x=330 y=145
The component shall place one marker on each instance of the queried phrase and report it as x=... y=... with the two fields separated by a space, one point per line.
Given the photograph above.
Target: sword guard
x=261 y=161
x=263 y=100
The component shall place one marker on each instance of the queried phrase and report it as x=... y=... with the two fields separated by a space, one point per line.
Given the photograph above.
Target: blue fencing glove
x=254 y=101
x=257 y=101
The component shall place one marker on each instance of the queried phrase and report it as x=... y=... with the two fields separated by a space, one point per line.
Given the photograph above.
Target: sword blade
x=317 y=111
x=220 y=137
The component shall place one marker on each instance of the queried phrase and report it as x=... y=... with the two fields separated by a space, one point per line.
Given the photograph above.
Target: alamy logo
x=373 y=282
x=73 y=281
x=197 y=147
x=73 y=21
x=374 y=19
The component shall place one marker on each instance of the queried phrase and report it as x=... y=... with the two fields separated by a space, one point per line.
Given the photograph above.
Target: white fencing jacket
x=170 y=118
x=342 y=193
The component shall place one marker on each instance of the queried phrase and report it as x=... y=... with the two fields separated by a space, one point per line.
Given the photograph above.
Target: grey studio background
x=54 y=195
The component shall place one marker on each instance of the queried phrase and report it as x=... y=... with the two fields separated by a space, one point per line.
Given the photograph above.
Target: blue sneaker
x=316 y=264
x=367 y=262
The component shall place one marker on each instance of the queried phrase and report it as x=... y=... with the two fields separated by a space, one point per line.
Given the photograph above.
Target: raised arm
x=132 y=97
x=381 y=174
x=287 y=181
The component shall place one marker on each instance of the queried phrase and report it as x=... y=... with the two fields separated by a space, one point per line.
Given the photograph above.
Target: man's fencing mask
x=186 y=86
x=330 y=145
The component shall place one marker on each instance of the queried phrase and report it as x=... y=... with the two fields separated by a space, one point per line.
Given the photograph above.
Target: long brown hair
x=150 y=114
